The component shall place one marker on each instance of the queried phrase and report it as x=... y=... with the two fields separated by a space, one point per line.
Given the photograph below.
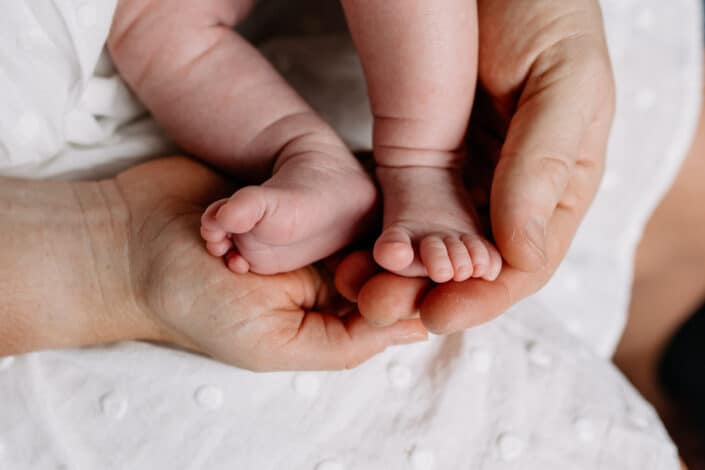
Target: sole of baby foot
x=430 y=228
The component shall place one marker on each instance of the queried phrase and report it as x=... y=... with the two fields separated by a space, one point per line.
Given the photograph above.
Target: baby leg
x=221 y=100
x=420 y=60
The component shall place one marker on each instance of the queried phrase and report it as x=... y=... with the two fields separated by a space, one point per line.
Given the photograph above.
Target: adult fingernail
x=535 y=232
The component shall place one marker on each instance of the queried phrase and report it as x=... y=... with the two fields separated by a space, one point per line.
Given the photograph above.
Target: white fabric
x=62 y=101
x=531 y=390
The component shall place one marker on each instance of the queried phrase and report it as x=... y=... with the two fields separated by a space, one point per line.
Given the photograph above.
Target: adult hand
x=255 y=322
x=539 y=131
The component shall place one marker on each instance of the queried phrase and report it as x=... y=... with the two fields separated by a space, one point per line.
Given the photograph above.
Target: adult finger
x=454 y=306
x=386 y=298
x=382 y=298
x=560 y=126
x=328 y=342
x=353 y=272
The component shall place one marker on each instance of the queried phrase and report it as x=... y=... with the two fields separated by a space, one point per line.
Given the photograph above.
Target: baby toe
x=495 y=264
x=459 y=258
x=236 y=263
x=393 y=249
x=478 y=253
x=212 y=235
x=219 y=248
x=434 y=255
x=208 y=219
x=243 y=210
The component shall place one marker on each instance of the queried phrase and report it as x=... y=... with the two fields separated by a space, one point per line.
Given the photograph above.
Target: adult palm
x=538 y=138
x=189 y=298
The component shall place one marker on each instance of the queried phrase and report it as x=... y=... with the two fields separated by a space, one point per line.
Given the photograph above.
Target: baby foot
x=309 y=209
x=431 y=228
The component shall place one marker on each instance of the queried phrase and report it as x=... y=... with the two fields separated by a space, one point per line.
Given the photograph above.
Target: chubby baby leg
x=420 y=61
x=218 y=98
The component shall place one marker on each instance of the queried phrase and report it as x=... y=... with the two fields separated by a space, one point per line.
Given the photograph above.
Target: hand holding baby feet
x=431 y=228
x=313 y=205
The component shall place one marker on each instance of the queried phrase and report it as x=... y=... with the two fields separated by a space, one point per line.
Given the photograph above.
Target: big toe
x=243 y=210
x=208 y=220
x=393 y=249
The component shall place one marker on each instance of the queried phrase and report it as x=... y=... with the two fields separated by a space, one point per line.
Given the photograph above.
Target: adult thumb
x=558 y=131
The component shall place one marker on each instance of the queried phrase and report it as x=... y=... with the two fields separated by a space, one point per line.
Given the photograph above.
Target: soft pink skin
x=420 y=61
x=297 y=216
x=222 y=101
x=294 y=218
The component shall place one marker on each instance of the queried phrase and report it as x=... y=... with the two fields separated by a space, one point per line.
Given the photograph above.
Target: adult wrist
x=164 y=200
x=64 y=273
x=109 y=233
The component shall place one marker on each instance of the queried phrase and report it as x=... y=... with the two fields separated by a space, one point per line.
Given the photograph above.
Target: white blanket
x=531 y=390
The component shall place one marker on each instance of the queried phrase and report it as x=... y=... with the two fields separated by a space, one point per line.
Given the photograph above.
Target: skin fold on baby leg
x=420 y=62
x=220 y=100
x=428 y=211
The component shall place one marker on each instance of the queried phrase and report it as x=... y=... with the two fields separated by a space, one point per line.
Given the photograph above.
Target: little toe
x=459 y=258
x=478 y=253
x=219 y=248
x=393 y=250
x=243 y=210
x=495 y=265
x=434 y=255
x=236 y=263
x=212 y=235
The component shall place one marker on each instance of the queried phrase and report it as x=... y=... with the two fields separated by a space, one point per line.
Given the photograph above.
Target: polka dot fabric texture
x=425 y=406
x=531 y=390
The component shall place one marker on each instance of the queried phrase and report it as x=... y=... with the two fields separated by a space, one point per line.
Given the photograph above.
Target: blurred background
x=663 y=348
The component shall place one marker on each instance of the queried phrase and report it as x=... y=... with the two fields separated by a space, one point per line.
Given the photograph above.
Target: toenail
x=463 y=271
x=444 y=275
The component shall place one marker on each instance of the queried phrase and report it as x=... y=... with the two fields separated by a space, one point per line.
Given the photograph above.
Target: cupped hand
x=538 y=139
x=290 y=321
